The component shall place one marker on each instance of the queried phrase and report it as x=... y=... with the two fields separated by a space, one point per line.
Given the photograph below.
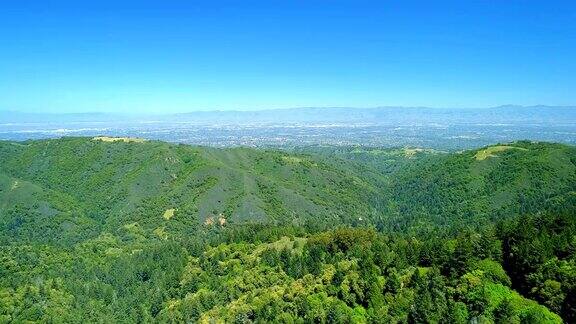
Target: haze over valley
x=438 y=128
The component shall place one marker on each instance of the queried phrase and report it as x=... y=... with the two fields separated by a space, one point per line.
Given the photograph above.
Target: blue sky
x=175 y=56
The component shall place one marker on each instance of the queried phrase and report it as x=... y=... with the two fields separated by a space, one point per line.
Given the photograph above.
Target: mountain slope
x=484 y=185
x=124 y=230
x=115 y=183
x=108 y=185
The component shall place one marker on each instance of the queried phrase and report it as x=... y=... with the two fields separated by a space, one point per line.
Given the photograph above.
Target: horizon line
x=284 y=109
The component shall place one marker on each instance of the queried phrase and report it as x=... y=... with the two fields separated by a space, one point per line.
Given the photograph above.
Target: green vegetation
x=458 y=190
x=132 y=231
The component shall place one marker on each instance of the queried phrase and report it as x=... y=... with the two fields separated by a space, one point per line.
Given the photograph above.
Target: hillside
x=85 y=183
x=126 y=230
x=425 y=188
x=78 y=187
x=482 y=186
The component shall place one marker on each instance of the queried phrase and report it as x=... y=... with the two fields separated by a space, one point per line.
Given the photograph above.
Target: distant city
x=447 y=129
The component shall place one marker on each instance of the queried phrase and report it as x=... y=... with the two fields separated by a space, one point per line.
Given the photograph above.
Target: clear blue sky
x=173 y=56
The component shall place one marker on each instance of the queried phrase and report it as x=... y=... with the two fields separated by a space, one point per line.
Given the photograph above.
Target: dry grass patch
x=410 y=152
x=216 y=219
x=161 y=233
x=292 y=159
x=119 y=139
x=492 y=150
x=169 y=213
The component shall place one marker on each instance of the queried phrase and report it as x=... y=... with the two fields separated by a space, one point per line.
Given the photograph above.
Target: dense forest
x=124 y=230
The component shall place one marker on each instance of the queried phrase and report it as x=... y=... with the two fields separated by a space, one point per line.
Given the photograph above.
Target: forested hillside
x=126 y=230
x=482 y=186
x=90 y=185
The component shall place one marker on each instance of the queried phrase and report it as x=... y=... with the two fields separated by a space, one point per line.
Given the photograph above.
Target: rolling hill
x=109 y=184
x=127 y=230
x=483 y=186
x=73 y=187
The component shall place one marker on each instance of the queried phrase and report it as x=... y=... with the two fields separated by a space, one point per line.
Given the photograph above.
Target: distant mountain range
x=336 y=115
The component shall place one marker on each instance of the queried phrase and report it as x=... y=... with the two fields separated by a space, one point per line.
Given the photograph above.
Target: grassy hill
x=482 y=186
x=74 y=187
x=111 y=184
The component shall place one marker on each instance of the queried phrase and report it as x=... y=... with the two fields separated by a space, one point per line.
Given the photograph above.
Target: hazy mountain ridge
x=322 y=115
x=441 y=129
